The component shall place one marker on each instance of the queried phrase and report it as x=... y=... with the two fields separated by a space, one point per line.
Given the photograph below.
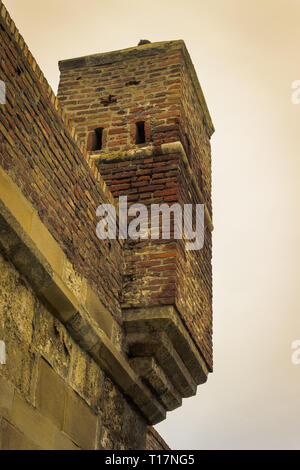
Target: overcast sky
x=246 y=54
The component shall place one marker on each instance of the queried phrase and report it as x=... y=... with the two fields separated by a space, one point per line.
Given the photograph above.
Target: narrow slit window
x=95 y=140
x=140 y=133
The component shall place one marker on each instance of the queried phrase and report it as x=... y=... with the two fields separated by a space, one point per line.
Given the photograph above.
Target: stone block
x=98 y=312
x=80 y=422
x=14 y=201
x=50 y=394
x=46 y=244
x=36 y=427
x=62 y=442
x=12 y=439
x=7 y=391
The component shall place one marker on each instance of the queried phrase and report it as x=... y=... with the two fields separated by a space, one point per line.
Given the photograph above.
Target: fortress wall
x=54 y=394
x=40 y=153
x=102 y=337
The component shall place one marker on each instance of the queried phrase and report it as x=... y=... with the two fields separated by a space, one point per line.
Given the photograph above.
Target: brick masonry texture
x=154 y=87
x=160 y=272
x=40 y=155
x=150 y=84
x=53 y=392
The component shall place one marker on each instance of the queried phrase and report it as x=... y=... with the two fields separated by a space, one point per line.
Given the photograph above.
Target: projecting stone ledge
x=163 y=353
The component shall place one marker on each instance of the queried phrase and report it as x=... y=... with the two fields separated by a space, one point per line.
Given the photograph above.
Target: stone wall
x=52 y=393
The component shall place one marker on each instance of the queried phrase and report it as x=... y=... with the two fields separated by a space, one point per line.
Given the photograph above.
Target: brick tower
x=143 y=118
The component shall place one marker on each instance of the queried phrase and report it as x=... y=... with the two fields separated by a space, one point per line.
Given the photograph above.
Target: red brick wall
x=154 y=84
x=146 y=89
x=45 y=161
x=194 y=275
x=195 y=137
x=150 y=269
x=151 y=85
x=161 y=272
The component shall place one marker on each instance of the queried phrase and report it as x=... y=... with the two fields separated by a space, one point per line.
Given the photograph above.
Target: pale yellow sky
x=246 y=53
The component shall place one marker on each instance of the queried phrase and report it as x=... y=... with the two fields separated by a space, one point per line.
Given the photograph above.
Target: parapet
x=142 y=52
